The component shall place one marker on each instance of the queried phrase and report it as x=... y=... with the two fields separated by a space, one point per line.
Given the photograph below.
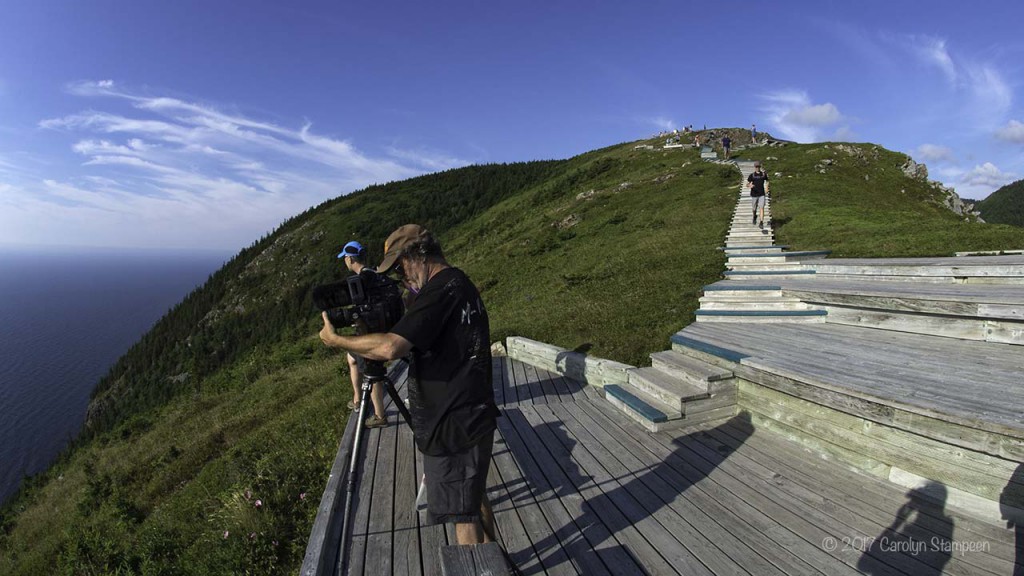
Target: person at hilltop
x=446 y=333
x=753 y=133
x=726 y=142
x=353 y=256
x=758 y=184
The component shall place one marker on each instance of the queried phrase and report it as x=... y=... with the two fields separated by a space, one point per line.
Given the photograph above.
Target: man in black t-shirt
x=758 y=184
x=446 y=332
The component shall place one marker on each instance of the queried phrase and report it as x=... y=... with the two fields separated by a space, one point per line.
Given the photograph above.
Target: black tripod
x=374 y=374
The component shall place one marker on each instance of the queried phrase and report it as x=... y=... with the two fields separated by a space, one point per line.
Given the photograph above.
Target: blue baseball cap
x=352 y=249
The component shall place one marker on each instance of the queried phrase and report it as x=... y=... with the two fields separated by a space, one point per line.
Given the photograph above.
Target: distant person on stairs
x=726 y=142
x=758 y=184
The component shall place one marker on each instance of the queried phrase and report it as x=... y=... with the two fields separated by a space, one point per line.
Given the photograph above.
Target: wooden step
x=778 y=257
x=643 y=409
x=665 y=387
x=737 y=250
x=767 y=274
x=764 y=242
x=704 y=375
x=761 y=316
x=750 y=304
x=741 y=291
x=699 y=349
x=964 y=328
x=766 y=266
x=740 y=287
x=992 y=269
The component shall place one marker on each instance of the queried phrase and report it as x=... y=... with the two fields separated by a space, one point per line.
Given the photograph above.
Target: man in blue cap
x=353 y=255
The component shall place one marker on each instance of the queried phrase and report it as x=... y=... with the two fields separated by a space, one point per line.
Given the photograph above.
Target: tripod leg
x=399 y=403
x=353 y=473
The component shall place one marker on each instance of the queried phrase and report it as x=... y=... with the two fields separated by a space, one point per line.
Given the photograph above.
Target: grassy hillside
x=1004 y=206
x=208 y=444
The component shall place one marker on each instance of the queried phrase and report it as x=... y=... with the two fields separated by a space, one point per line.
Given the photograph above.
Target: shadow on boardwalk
x=1011 y=502
x=616 y=501
x=921 y=532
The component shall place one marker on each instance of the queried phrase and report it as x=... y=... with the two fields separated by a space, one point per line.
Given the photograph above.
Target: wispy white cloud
x=934 y=153
x=985 y=93
x=793 y=115
x=989 y=89
x=162 y=171
x=1012 y=132
x=661 y=123
x=428 y=159
x=933 y=51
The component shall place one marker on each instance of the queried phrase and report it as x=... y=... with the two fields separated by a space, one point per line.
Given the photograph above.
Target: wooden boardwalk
x=577 y=488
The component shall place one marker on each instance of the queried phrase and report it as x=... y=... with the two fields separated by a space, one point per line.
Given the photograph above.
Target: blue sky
x=206 y=124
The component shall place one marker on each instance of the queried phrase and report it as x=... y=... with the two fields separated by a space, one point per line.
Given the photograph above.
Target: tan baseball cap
x=397 y=241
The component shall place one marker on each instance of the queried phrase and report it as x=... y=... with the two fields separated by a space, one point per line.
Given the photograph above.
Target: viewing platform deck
x=579 y=488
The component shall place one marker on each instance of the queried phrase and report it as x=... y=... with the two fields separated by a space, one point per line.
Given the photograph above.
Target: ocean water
x=65 y=318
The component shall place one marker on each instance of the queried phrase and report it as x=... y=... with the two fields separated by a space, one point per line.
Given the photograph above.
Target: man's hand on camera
x=378 y=346
x=327 y=334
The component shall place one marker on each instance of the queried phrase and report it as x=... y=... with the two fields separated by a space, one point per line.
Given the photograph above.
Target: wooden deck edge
x=967 y=432
x=322 y=549
x=847 y=431
x=574 y=365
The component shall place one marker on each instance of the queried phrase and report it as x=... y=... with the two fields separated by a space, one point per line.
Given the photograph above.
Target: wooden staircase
x=677 y=390
x=752 y=255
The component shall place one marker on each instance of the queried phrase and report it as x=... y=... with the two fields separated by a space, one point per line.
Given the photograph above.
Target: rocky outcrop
x=947 y=196
x=914 y=170
x=951 y=200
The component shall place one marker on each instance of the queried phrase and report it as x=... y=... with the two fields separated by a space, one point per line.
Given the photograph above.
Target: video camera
x=371 y=302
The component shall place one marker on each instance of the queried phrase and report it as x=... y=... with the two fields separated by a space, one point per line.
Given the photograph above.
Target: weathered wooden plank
x=362 y=501
x=560 y=384
x=566 y=430
x=916 y=457
x=709 y=541
x=509 y=378
x=541 y=389
x=531 y=524
x=406 y=537
x=619 y=510
x=871 y=497
x=894 y=442
x=522 y=383
x=507 y=487
x=475 y=560
x=843 y=526
x=935 y=367
x=588 y=540
x=379 y=536
x=562 y=545
x=737 y=491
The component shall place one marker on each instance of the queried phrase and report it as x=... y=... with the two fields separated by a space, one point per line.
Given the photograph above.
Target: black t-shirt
x=450 y=393
x=726 y=141
x=757 y=179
